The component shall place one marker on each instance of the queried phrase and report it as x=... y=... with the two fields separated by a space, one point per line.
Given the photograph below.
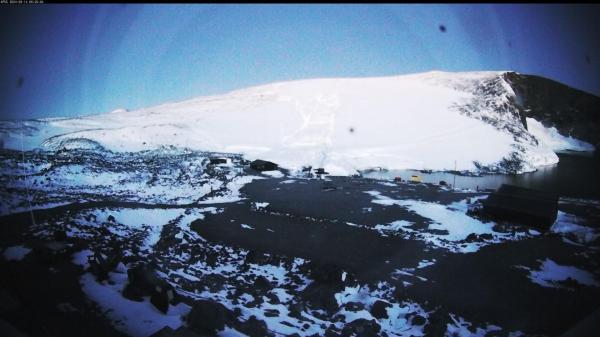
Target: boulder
x=472 y=238
x=263 y=165
x=143 y=281
x=325 y=273
x=254 y=327
x=60 y=235
x=361 y=327
x=132 y=293
x=160 y=301
x=207 y=317
x=379 y=309
x=400 y=294
x=262 y=284
x=296 y=309
x=100 y=266
x=438 y=321
x=418 y=320
x=486 y=236
x=214 y=282
x=320 y=296
x=354 y=306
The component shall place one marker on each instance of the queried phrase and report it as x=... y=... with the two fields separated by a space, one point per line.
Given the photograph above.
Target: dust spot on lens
x=20 y=81
x=351 y=130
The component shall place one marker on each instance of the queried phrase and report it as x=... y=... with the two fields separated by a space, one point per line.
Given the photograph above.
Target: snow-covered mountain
x=434 y=120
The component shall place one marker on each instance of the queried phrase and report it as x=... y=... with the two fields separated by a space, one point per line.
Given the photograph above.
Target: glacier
x=434 y=120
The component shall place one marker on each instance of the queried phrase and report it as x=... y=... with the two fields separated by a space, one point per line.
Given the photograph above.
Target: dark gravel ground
x=308 y=219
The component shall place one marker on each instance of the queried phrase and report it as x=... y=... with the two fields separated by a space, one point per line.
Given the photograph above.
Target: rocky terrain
x=572 y=112
x=169 y=242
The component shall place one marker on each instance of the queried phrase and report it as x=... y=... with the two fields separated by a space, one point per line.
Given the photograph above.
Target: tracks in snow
x=318 y=125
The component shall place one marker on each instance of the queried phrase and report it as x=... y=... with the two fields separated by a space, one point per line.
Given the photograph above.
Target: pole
x=454 y=181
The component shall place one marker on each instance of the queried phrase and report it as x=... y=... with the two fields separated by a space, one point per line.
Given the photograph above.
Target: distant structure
x=307 y=170
x=263 y=165
x=217 y=161
x=320 y=172
x=522 y=205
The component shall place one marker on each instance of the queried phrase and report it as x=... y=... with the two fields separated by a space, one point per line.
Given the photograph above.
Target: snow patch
x=138 y=319
x=260 y=205
x=551 y=138
x=449 y=227
x=16 y=253
x=81 y=258
x=426 y=263
x=551 y=273
x=461 y=328
x=273 y=174
x=568 y=224
x=233 y=190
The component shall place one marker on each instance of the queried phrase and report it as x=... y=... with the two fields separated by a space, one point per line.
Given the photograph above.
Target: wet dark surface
x=361 y=251
x=344 y=199
x=575 y=175
x=486 y=286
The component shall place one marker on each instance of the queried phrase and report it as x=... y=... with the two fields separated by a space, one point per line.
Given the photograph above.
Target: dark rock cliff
x=572 y=112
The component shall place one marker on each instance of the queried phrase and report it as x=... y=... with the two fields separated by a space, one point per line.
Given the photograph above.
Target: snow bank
x=449 y=225
x=550 y=273
x=273 y=174
x=150 y=220
x=551 y=138
x=342 y=125
x=567 y=224
x=233 y=190
x=453 y=225
x=461 y=328
x=137 y=319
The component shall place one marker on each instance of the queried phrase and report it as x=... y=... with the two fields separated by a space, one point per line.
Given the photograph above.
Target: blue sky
x=83 y=59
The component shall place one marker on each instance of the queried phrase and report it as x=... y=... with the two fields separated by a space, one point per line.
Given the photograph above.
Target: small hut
x=320 y=170
x=218 y=161
x=263 y=165
x=522 y=205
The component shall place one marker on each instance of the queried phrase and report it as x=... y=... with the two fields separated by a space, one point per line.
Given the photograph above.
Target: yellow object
x=415 y=179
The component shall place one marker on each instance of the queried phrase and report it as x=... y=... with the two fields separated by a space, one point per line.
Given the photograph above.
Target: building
x=522 y=205
x=218 y=161
x=263 y=165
